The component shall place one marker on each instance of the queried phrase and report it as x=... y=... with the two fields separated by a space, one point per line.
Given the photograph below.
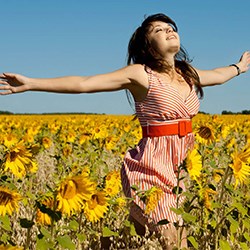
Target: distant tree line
x=6 y=113
x=243 y=112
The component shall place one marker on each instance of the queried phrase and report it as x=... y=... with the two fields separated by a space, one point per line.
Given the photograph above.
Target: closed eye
x=157 y=30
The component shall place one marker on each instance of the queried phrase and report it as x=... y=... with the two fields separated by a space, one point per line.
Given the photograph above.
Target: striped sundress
x=154 y=161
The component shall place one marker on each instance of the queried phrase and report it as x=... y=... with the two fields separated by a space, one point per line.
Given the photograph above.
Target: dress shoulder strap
x=147 y=69
x=152 y=77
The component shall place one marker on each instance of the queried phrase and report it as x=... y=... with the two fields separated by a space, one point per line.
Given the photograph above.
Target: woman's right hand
x=13 y=83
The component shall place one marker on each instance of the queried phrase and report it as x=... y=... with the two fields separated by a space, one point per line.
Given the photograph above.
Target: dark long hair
x=141 y=52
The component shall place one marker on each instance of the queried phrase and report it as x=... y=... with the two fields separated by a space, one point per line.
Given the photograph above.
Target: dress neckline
x=191 y=87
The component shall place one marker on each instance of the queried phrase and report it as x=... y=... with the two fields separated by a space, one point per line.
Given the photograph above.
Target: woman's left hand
x=244 y=62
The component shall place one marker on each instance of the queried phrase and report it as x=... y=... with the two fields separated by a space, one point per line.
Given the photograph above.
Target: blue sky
x=52 y=38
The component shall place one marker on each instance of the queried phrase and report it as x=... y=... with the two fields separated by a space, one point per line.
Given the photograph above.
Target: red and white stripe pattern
x=154 y=161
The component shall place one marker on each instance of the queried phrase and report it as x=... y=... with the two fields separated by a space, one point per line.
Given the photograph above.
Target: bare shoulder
x=137 y=74
x=139 y=81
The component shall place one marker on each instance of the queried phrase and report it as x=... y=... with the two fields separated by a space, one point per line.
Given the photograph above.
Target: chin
x=174 y=50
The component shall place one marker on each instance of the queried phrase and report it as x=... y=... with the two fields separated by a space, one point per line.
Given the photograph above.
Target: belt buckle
x=182 y=128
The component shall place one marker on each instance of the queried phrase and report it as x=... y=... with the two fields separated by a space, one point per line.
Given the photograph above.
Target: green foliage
x=215 y=212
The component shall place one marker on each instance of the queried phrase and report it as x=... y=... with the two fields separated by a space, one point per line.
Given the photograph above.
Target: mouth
x=171 y=37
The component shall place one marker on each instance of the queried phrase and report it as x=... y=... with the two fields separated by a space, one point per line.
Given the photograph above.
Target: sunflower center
x=205 y=132
x=94 y=201
x=5 y=198
x=69 y=190
x=13 y=155
x=237 y=165
x=190 y=165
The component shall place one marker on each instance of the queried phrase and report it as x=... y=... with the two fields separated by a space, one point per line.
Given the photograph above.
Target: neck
x=170 y=60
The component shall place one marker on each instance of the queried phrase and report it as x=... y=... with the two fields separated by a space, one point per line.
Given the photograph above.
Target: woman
x=164 y=87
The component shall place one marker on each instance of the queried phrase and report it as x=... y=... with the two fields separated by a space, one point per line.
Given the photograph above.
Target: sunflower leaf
x=106 y=232
x=74 y=225
x=43 y=244
x=65 y=242
x=244 y=246
x=240 y=208
x=134 y=187
x=193 y=241
x=81 y=237
x=4 y=238
x=178 y=211
x=5 y=223
x=246 y=224
x=131 y=227
x=45 y=232
x=246 y=236
x=188 y=217
x=224 y=245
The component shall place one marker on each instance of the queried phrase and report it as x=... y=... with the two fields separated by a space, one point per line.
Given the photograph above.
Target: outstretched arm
x=123 y=78
x=224 y=74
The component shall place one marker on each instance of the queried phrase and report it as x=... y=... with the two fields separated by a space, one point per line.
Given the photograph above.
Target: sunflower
x=194 y=164
x=206 y=196
x=126 y=127
x=72 y=192
x=46 y=203
x=111 y=142
x=85 y=137
x=54 y=127
x=113 y=183
x=241 y=165
x=204 y=135
x=29 y=138
x=153 y=195
x=10 y=140
x=67 y=150
x=19 y=160
x=231 y=144
x=34 y=129
x=226 y=130
x=100 y=132
x=46 y=141
x=95 y=208
x=120 y=203
x=8 y=201
x=71 y=136
x=217 y=175
x=245 y=154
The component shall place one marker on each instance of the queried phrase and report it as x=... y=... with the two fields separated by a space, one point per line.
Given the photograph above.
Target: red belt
x=180 y=128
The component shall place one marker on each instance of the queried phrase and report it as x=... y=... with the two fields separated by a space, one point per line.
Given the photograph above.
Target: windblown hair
x=141 y=52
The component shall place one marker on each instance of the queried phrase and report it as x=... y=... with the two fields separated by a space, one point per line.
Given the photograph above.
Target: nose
x=170 y=30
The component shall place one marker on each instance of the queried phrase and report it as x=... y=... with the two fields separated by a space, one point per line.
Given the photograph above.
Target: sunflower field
x=60 y=184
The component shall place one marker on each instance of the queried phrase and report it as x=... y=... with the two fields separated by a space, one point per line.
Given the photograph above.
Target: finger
x=8 y=92
x=5 y=90
x=3 y=82
x=2 y=76
x=8 y=74
x=6 y=87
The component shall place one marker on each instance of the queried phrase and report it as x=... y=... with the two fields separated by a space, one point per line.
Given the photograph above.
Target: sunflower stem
x=220 y=212
x=179 y=233
x=27 y=243
x=223 y=184
x=53 y=219
x=80 y=221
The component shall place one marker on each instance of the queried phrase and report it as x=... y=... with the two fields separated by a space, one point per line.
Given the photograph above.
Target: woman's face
x=163 y=38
